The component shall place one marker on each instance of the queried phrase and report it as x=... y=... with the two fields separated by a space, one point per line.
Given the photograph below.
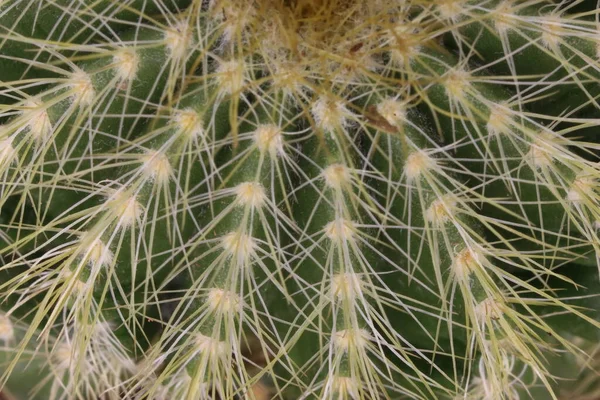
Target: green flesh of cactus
x=301 y=199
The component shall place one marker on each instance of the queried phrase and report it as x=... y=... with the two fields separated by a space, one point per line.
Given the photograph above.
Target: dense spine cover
x=304 y=199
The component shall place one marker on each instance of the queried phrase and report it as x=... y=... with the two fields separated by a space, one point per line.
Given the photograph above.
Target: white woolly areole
x=417 y=163
x=340 y=229
x=393 y=111
x=488 y=309
x=7 y=330
x=63 y=355
x=127 y=63
x=126 y=208
x=440 y=211
x=346 y=286
x=98 y=254
x=250 y=194
x=336 y=176
x=230 y=77
x=581 y=189
x=82 y=87
x=450 y=10
x=189 y=122
x=351 y=339
x=404 y=43
x=330 y=114
x=504 y=16
x=542 y=150
x=157 y=166
x=456 y=83
x=288 y=78
x=465 y=262
x=211 y=348
x=234 y=17
x=269 y=138
x=239 y=245
x=499 y=120
x=552 y=31
x=223 y=301
x=38 y=120
x=8 y=154
x=179 y=39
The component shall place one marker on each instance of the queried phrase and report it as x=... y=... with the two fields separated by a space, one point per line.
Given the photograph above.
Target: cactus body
x=301 y=199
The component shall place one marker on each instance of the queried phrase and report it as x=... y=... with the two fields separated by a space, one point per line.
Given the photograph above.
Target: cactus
x=299 y=199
